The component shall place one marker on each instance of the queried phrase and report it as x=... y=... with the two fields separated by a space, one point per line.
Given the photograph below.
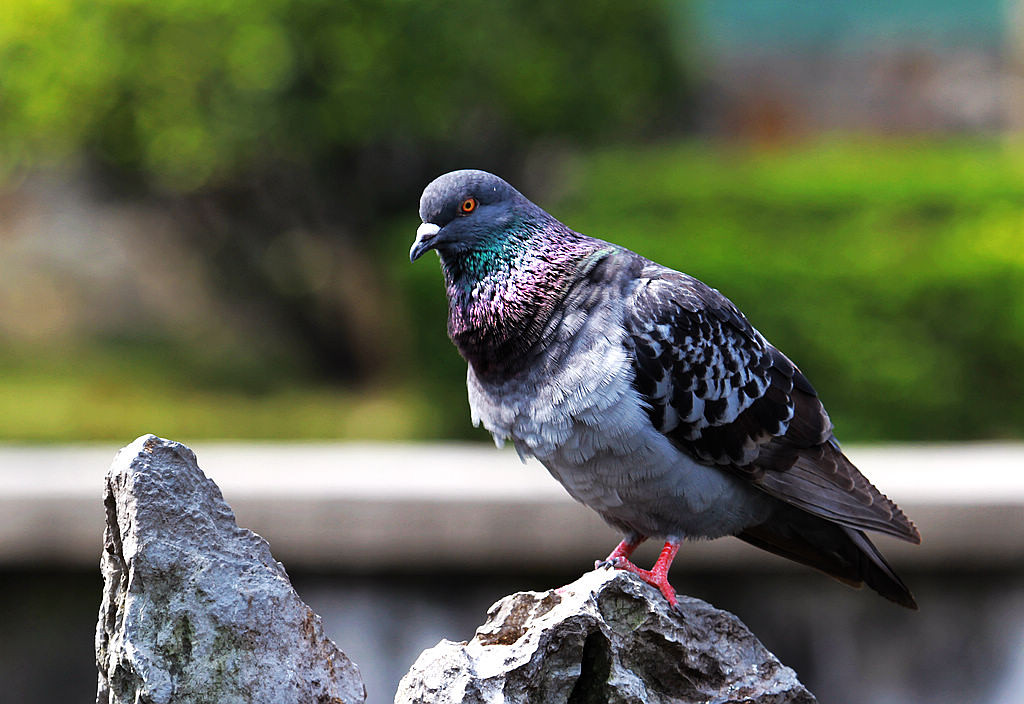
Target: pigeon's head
x=470 y=211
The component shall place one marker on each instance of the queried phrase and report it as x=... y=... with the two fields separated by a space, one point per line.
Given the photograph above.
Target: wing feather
x=713 y=385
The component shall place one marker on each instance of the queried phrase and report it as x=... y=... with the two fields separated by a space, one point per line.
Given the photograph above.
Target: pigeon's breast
x=578 y=381
x=577 y=411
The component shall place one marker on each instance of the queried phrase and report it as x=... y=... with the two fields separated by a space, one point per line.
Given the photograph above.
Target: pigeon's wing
x=723 y=394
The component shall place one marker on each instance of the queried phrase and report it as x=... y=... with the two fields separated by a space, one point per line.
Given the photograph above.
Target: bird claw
x=670 y=596
x=657 y=577
x=659 y=582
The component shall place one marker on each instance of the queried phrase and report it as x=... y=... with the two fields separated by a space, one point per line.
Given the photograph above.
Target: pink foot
x=622 y=552
x=657 y=576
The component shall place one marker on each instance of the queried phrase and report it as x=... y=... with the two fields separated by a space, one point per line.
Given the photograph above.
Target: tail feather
x=839 y=551
x=879 y=575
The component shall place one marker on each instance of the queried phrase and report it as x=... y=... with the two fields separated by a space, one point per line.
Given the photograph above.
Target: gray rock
x=196 y=609
x=607 y=637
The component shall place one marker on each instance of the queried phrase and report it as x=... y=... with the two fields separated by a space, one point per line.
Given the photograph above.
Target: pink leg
x=657 y=576
x=626 y=548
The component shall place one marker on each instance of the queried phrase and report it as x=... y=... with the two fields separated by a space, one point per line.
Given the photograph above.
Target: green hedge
x=892 y=272
x=201 y=93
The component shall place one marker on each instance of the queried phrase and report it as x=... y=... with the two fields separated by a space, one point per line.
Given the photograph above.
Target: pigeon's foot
x=624 y=549
x=657 y=576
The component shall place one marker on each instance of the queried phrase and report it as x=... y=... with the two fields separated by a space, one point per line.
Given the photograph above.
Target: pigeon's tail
x=840 y=552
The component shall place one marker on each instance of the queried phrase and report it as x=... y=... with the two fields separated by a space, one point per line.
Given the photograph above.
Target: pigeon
x=646 y=393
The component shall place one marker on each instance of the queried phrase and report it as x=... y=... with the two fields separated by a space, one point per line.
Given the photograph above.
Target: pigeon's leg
x=657 y=576
x=621 y=554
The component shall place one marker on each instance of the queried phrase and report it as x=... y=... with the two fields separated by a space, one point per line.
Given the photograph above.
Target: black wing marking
x=711 y=381
x=722 y=393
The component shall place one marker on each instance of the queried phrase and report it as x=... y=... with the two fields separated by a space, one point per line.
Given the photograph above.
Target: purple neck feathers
x=497 y=314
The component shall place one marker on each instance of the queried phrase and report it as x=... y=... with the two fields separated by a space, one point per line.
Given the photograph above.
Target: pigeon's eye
x=468 y=206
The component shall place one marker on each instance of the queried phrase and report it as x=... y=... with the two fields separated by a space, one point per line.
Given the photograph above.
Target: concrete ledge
x=363 y=507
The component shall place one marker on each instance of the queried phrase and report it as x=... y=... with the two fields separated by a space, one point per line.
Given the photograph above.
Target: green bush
x=892 y=272
x=276 y=131
x=194 y=93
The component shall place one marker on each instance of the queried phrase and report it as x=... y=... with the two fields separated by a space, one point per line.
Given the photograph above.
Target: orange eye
x=468 y=206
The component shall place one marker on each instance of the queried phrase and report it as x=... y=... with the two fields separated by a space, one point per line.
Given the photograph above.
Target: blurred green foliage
x=892 y=272
x=280 y=132
x=199 y=93
x=110 y=390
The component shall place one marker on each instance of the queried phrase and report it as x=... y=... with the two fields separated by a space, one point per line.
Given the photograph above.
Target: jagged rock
x=609 y=638
x=196 y=609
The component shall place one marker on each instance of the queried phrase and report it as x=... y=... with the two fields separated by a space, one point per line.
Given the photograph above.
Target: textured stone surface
x=607 y=637
x=196 y=609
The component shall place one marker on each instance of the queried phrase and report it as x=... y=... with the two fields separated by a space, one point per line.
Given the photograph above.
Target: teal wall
x=728 y=25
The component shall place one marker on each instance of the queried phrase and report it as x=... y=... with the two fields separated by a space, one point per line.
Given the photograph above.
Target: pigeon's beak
x=425 y=235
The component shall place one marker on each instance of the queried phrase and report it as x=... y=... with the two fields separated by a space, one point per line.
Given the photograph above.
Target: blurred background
x=205 y=214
